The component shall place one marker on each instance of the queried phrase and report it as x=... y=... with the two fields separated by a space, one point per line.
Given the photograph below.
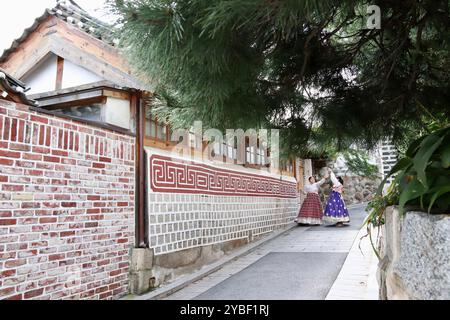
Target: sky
x=17 y=15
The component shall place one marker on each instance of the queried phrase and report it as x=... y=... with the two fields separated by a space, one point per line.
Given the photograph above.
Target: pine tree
x=310 y=68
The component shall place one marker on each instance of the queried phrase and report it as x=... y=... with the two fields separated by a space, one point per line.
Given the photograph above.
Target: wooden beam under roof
x=59 y=72
x=76 y=103
x=70 y=98
x=75 y=96
x=104 y=85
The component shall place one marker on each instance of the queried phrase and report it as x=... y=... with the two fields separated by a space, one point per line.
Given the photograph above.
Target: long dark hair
x=340 y=180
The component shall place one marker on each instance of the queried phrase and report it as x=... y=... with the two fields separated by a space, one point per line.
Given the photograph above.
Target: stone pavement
x=303 y=263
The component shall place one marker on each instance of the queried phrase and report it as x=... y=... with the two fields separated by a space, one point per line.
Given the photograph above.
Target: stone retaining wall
x=357 y=189
x=415 y=256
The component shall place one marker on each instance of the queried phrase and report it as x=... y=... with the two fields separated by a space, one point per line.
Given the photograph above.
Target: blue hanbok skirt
x=336 y=210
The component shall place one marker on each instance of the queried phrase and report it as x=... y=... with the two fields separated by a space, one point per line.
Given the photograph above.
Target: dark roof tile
x=13 y=89
x=71 y=12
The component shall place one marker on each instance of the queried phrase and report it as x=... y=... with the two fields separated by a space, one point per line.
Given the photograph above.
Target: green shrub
x=358 y=163
x=422 y=180
x=422 y=176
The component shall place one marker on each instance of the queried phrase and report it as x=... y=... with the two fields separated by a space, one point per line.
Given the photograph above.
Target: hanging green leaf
x=403 y=163
x=446 y=156
x=413 y=147
x=437 y=193
x=422 y=157
x=413 y=190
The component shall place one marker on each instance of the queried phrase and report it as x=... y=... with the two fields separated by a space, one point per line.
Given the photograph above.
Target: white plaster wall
x=75 y=75
x=42 y=78
x=117 y=112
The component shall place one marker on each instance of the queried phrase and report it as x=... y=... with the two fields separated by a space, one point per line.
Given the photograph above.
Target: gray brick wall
x=179 y=221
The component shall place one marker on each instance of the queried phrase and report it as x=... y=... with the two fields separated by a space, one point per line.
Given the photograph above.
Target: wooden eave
x=53 y=35
x=90 y=93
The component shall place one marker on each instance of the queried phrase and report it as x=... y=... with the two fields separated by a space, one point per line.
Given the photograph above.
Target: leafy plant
x=358 y=163
x=376 y=209
x=422 y=180
x=423 y=175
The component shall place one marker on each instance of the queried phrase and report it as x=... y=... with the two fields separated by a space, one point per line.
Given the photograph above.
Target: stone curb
x=371 y=288
x=184 y=281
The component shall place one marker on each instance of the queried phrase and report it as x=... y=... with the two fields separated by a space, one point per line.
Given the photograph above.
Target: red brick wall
x=66 y=207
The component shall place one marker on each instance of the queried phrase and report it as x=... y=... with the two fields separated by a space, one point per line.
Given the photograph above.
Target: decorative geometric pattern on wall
x=169 y=175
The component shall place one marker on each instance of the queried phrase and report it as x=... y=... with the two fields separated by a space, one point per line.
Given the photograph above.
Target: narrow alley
x=301 y=263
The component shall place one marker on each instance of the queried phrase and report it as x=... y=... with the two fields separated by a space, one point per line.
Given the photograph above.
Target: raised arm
x=335 y=181
x=319 y=183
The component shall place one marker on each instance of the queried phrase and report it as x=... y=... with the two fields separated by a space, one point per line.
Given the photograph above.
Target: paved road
x=302 y=263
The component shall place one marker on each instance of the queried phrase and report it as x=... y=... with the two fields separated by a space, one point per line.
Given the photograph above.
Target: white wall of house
x=42 y=78
x=74 y=75
x=117 y=112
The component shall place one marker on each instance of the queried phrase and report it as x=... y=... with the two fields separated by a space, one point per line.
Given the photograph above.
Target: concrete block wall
x=66 y=207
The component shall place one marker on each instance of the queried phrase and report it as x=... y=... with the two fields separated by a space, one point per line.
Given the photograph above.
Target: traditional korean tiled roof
x=71 y=12
x=14 y=90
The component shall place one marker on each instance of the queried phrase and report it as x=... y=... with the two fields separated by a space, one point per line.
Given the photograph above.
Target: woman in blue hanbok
x=336 y=211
